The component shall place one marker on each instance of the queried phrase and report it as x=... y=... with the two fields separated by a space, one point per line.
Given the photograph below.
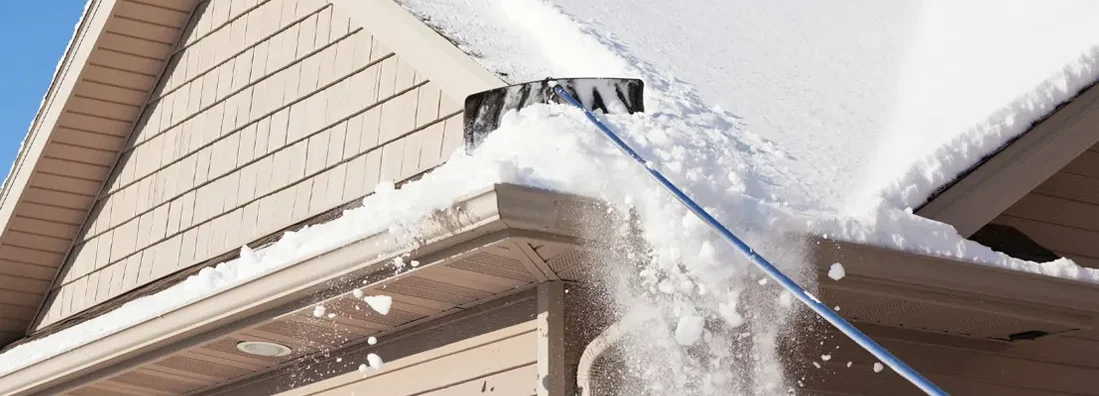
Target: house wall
x=1054 y=365
x=502 y=362
x=1063 y=364
x=270 y=112
x=485 y=349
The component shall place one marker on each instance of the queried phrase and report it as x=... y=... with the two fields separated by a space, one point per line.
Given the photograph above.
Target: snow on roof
x=873 y=99
x=869 y=107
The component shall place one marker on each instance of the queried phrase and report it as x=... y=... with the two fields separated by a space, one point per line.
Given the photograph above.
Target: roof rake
x=484 y=111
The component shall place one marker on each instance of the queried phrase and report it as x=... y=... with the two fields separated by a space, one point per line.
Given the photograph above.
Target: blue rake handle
x=827 y=313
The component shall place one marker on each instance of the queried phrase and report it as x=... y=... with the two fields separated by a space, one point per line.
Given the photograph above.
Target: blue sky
x=33 y=34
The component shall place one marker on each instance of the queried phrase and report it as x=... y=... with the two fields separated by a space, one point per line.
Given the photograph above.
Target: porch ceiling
x=99 y=92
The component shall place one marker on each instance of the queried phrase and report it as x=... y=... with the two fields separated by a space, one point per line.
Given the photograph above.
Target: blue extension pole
x=831 y=316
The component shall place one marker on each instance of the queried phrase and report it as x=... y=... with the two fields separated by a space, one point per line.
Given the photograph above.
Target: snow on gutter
x=251 y=289
x=47 y=100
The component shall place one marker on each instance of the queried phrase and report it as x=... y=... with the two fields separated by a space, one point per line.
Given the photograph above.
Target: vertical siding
x=272 y=111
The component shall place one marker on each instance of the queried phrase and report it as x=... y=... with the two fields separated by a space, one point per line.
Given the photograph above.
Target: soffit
x=503 y=241
x=114 y=63
x=489 y=245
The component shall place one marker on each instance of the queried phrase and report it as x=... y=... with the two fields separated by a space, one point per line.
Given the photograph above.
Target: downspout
x=607 y=338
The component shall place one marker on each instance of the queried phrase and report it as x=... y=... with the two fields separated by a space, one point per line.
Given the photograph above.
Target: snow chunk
x=248 y=256
x=689 y=328
x=836 y=271
x=826 y=357
x=363 y=368
x=358 y=293
x=318 y=311
x=375 y=361
x=729 y=312
x=372 y=340
x=878 y=367
x=381 y=304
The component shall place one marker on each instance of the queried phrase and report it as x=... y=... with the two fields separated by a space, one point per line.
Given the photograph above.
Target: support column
x=552 y=379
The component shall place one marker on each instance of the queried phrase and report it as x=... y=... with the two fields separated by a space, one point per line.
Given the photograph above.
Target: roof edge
x=423 y=48
x=999 y=179
x=47 y=98
x=76 y=51
x=959 y=283
x=472 y=221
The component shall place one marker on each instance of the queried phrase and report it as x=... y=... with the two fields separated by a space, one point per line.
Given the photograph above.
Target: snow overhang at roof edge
x=984 y=159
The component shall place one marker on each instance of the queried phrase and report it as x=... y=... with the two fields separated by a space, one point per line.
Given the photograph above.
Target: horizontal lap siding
x=272 y=112
x=502 y=363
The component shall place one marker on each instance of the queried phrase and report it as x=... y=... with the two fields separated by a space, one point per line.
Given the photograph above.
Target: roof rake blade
x=485 y=110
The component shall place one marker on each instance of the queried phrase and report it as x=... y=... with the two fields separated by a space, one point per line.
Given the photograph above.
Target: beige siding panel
x=455 y=369
x=1054 y=210
x=1087 y=164
x=960 y=371
x=274 y=117
x=1056 y=237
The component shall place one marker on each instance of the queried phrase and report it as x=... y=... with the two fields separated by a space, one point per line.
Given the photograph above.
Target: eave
x=104 y=82
x=992 y=186
x=518 y=219
x=502 y=214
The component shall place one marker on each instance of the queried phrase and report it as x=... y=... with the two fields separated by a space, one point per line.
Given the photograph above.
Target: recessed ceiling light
x=261 y=348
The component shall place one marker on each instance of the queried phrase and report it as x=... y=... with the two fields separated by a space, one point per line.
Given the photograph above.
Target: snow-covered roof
x=867 y=106
x=878 y=99
x=832 y=108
